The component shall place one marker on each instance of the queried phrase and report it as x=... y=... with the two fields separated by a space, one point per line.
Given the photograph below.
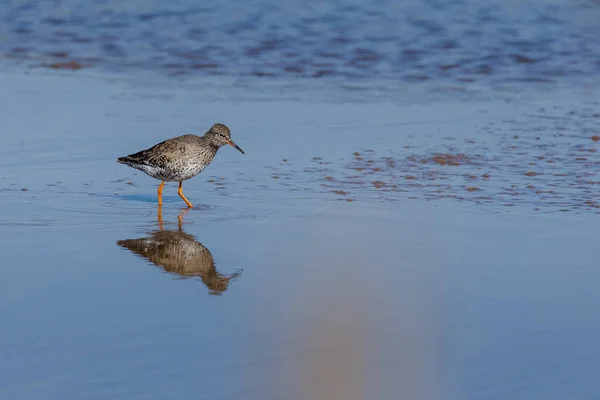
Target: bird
x=180 y=158
x=179 y=253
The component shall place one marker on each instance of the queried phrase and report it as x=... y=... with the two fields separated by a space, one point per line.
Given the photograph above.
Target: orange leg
x=180 y=221
x=180 y=217
x=160 y=190
x=180 y=191
x=160 y=220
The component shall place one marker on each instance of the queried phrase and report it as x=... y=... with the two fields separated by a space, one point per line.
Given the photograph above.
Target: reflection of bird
x=179 y=253
x=180 y=158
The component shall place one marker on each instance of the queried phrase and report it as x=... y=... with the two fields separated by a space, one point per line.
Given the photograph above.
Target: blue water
x=345 y=261
x=352 y=44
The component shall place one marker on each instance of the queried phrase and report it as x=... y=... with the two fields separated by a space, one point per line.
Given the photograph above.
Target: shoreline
x=227 y=88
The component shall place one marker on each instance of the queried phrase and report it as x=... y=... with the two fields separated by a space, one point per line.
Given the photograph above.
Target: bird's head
x=220 y=135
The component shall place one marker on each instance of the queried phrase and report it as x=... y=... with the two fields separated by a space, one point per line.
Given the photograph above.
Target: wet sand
x=352 y=255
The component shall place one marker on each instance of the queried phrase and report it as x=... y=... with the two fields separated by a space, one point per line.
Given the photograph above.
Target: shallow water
x=356 y=45
x=334 y=275
x=414 y=311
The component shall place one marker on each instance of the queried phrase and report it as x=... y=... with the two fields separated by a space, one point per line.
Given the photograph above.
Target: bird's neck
x=212 y=142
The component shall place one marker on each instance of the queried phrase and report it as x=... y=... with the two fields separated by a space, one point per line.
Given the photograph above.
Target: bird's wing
x=161 y=154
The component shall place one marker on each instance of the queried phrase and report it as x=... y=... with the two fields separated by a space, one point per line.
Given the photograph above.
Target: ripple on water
x=412 y=41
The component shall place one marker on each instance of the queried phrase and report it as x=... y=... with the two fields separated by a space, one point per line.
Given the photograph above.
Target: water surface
x=356 y=45
x=343 y=257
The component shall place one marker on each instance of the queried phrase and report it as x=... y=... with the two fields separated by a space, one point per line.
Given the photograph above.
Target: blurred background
x=415 y=216
x=377 y=47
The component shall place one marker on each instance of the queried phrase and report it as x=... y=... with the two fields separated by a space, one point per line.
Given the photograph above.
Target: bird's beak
x=231 y=142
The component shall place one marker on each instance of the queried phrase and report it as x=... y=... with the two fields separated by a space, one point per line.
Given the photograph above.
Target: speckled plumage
x=174 y=160
x=180 y=158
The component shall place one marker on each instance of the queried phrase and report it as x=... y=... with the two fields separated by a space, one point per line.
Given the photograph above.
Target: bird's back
x=174 y=159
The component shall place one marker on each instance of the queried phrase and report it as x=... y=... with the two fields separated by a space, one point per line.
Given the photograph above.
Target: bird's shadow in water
x=147 y=198
x=179 y=253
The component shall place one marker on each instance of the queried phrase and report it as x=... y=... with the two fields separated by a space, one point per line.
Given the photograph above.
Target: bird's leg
x=180 y=222
x=180 y=191
x=160 y=220
x=160 y=190
x=180 y=218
